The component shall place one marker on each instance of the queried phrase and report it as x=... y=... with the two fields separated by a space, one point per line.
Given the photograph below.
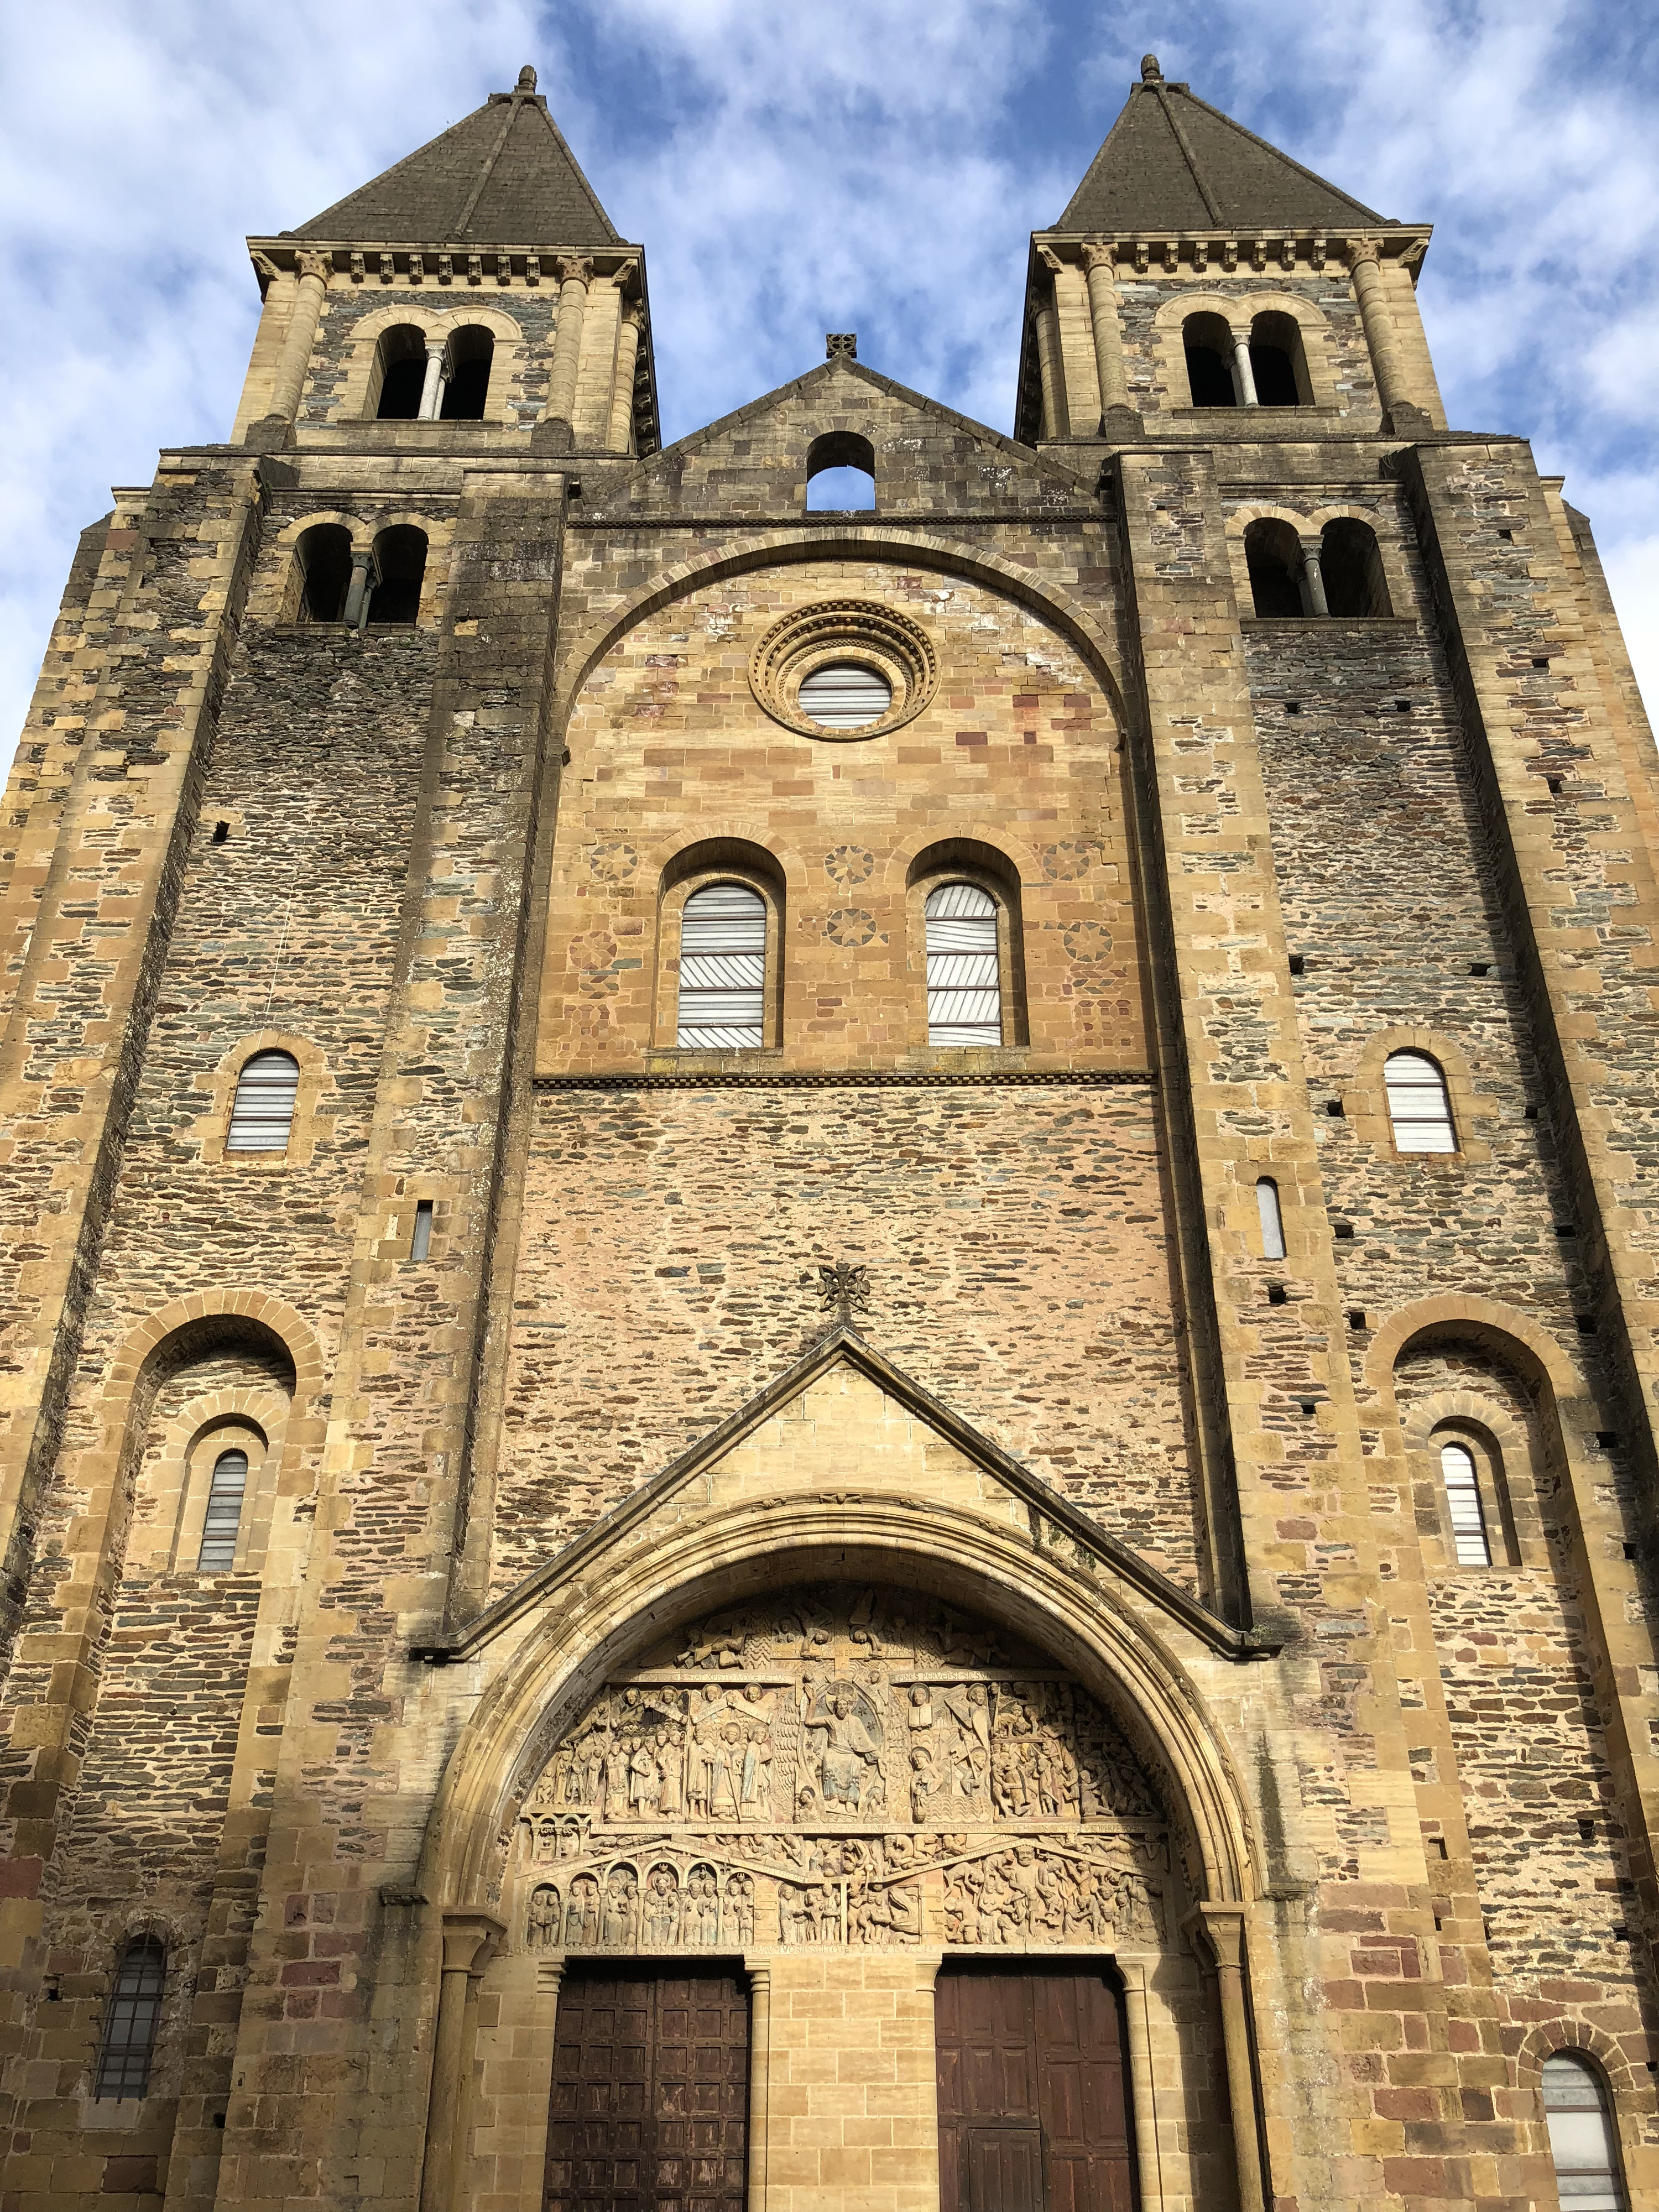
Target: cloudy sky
x=869 y=165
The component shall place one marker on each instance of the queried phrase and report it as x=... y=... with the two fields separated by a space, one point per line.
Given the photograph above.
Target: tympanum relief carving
x=842 y=1765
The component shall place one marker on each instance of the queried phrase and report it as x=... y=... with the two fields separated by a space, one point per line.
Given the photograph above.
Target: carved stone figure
x=542 y=1926
x=662 y=1908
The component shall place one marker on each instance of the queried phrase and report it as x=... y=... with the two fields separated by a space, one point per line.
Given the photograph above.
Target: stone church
x=830 y=1257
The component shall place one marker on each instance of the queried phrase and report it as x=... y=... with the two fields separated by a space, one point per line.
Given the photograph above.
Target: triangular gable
x=913 y=1448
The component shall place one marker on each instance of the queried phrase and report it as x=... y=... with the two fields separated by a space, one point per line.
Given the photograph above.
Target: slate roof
x=1173 y=162
x=501 y=176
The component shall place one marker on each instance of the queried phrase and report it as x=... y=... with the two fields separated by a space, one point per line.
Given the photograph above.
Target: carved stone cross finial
x=845 y=342
x=843 y=1286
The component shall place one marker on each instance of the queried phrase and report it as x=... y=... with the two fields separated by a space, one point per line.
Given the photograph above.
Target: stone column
x=1243 y=373
x=1109 y=364
x=1149 y=2171
x=1386 y=364
x=622 y=400
x=465 y=1938
x=1313 y=581
x=432 y=390
x=357 y=593
x=1223 y=1931
x=1055 y=421
x=312 y=268
x=760 y=2077
x=576 y=274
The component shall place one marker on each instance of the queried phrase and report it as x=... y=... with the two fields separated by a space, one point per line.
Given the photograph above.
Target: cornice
x=1217 y=250
x=440 y=262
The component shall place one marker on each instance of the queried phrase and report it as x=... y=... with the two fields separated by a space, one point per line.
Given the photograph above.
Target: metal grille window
x=132 y=2022
x=1272 y=1221
x=964 y=993
x=1418 y=1105
x=845 y=696
x=1468 y=1518
x=223 y=1518
x=723 y=968
x=263 y=1113
x=1582 y=2141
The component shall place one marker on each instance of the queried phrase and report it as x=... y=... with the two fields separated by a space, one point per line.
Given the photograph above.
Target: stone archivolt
x=845 y=1765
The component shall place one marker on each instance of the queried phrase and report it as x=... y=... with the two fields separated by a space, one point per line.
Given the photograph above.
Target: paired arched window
x=964 y=989
x=133 y=2021
x=262 y=1113
x=1471 y=1537
x=1271 y=1220
x=841 y=472
x=1419 y=1111
x=1582 y=2143
x=722 y=997
x=1344 y=575
x=223 y=1520
x=411 y=383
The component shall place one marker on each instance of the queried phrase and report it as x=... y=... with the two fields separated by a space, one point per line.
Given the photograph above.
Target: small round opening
x=845 y=695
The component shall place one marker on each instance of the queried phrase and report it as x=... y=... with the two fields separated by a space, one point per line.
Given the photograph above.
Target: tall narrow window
x=132 y=2022
x=1582 y=2140
x=1468 y=1516
x=964 y=993
x=723 y=968
x=263 y=1113
x=1272 y=1221
x=1418 y=1105
x=224 y=1514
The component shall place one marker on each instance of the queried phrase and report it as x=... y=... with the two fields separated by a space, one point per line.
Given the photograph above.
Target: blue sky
x=873 y=165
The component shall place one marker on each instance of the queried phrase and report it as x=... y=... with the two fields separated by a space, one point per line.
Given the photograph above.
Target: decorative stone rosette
x=834 y=630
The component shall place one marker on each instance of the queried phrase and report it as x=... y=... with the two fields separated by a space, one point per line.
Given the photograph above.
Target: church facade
x=831 y=1366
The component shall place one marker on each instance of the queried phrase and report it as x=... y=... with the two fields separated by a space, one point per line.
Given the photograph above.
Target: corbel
x=264 y=268
x=1201 y=254
x=1143 y=256
x=388 y=268
x=416 y=269
x=1318 y=253
x=1259 y=255
x=446 y=269
x=1287 y=253
x=358 y=272
x=1171 y=255
x=532 y=269
x=1230 y=254
x=475 y=269
x=503 y=268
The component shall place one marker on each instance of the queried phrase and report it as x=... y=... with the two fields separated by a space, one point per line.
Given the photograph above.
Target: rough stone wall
x=344 y=307
x=1154 y=389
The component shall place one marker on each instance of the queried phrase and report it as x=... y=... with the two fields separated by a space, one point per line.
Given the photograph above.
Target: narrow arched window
x=466 y=375
x=400 y=570
x=1277 y=361
x=1355 y=584
x=1465 y=1506
x=399 y=374
x=1272 y=1221
x=1418 y=1105
x=1209 y=349
x=131 y=2023
x=1582 y=2140
x=964 y=991
x=841 y=472
x=223 y=1519
x=1273 y=554
x=723 y=968
x=323 y=556
x=263 y=1113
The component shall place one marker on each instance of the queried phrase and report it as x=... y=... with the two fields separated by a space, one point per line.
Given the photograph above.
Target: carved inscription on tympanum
x=842 y=1765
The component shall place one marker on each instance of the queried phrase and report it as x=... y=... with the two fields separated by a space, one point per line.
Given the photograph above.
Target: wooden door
x=650 y=2106
x=1033 y=2105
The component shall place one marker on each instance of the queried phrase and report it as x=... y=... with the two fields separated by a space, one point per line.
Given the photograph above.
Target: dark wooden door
x=1033 y=2106
x=650 y=2110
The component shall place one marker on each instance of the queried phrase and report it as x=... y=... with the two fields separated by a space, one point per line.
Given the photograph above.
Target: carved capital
x=1098 y=254
x=574 y=269
x=1363 y=250
x=313 y=264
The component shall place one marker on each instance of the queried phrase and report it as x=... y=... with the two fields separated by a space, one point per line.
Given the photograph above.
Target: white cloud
x=795 y=169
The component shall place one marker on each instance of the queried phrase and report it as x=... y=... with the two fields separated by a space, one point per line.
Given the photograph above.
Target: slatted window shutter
x=844 y=697
x=133 y=2021
x=964 y=992
x=1418 y=1105
x=223 y=1519
x=263 y=1113
x=1272 y=1221
x=1468 y=1518
x=1582 y=2140
x=723 y=968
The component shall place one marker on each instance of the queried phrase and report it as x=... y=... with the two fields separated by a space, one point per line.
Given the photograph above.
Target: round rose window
x=844 y=696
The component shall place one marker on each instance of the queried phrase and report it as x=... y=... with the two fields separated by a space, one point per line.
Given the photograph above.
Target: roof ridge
x=1208 y=197
x=515 y=102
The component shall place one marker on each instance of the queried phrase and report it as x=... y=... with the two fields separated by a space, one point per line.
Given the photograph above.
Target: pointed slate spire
x=1173 y=162
x=501 y=176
